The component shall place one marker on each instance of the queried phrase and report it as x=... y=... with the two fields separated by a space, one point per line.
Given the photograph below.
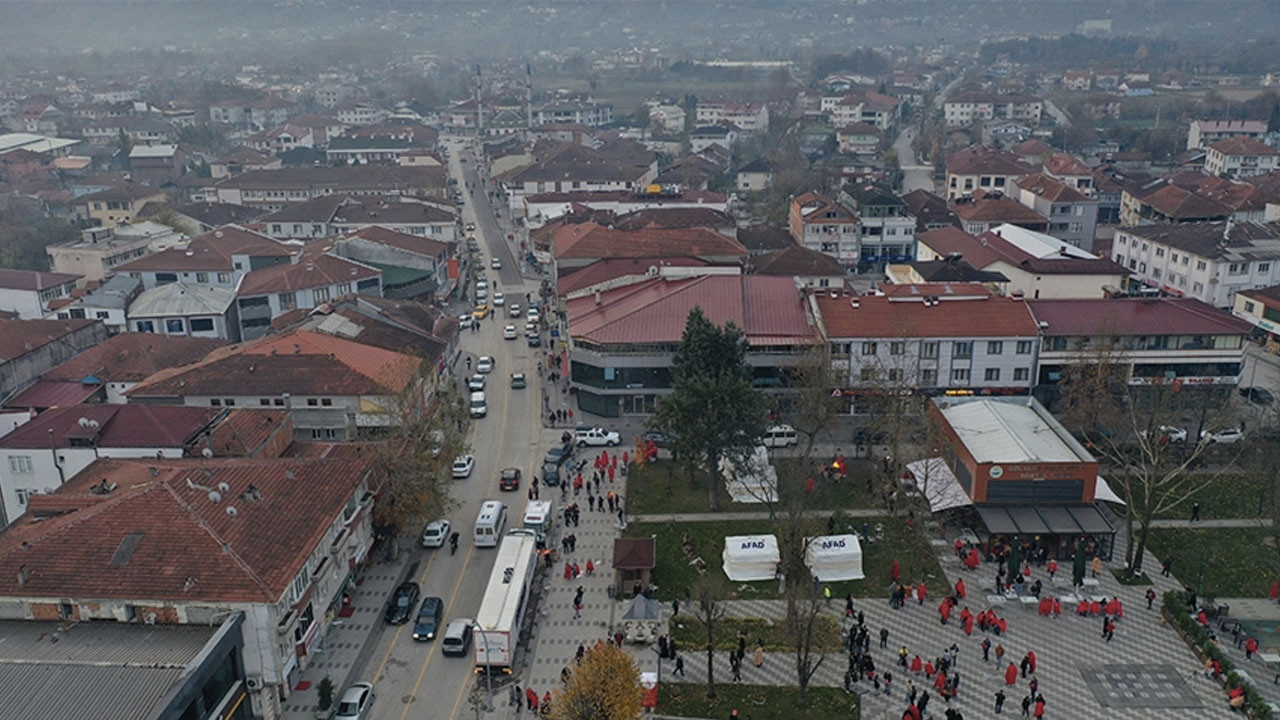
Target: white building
x=1206 y=132
x=1210 y=262
x=29 y=292
x=1240 y=157
x=182 y=309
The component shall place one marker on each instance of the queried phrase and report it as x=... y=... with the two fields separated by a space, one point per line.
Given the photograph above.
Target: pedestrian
x=999 y=701
x=1109 y=630
x=1096 y=565
x=591 y=501
x=679 y=666
x=758 y=658
x=1195 y=512
x=513 y=695
x=902 y=656
x=582 y=651
x=826 y=593
x=1250 y=647
x=1039 y=711
x=675 y=608
x=1151 y=597
x=986 y=649
x=920 y=593
x=1026 y=706
x=1165 y=566
x=531 y=698
x=884 y=637
x=848 y=605
x=1011 y=675
x=1053 y=569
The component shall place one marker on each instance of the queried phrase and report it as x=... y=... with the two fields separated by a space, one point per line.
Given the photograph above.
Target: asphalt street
x=413 y=679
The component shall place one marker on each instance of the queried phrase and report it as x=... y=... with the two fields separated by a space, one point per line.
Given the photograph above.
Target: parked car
x=463 y=465
x=596 y=437
x=476 y=383
x=403 y=601
x=517 y=381
x=481 y=312
x=550 y=474
x=457 y=637
x=355 y=702
x=484 y=364
x=559 y=454
x=513 y=310
x=465 y=321
x=428 y=622
x=662 y=440
x=1169 y=433
x=435 y=533
x=533 y=341
x=509 y=479
x=1226 y=436
x=1257 y=395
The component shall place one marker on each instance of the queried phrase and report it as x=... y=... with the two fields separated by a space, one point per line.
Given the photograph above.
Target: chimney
x=597 y=297
x=24 y=574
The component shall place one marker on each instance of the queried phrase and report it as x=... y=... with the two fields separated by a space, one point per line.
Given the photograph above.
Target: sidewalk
x=751 y=515
x=345 y=650
x=1220 y=523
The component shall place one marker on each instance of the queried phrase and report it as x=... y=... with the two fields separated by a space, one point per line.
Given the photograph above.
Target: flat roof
x=1010 y=430
x=94 y=670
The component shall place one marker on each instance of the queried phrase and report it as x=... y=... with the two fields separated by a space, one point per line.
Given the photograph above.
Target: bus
x=506 y=598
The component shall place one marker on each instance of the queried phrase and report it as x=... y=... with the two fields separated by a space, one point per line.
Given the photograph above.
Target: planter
x=323 y=714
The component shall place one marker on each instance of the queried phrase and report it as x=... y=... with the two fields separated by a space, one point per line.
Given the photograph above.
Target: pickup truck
x=596 y=436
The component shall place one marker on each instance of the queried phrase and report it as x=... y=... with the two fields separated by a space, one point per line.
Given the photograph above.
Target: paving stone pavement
x=1067 y=648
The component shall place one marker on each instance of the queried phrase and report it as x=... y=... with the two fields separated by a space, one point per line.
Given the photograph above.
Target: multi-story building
x=27 y=293
x=106 y=302
x=178 y=542
x=122 y=361
x=1210 y=262
x=819 y=223
x=274 y=190
x=1072 y=215
x=746 y=116
x=203 y=311
x=118 y=205
x=985 y=210
x=29 y=348
x=983 y=169
x=971 y=106
x=886 y=229
x=873 y=108
x=100 y=249
x=973 y=343
x=1261 y=308
x=581 y=113
x=334 y=214
x=314 y=277
x=1240 y=157
x=217 y=258
x=1203 y=133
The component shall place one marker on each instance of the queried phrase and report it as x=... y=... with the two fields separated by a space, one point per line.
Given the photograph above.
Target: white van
x=780 y=436
x=489 y=523
x=540 y=517
x=479 y=407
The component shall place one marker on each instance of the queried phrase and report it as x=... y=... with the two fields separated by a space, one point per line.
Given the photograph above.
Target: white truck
x=497 y=629
x=540 y=517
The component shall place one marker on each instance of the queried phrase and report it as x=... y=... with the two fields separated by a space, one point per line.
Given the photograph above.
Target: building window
x=896 y=347
x=1248 y=307
x=960 y=375
x=145 y=326
x=174 y=326
x=929 y=351
x=324 y=434
x=313 y=402
x=22 y=496
x=1264 y=267
x=224 y=277
x=1024 y=347
x=1201 y=265
x=963 y=349
x=868 y=348
x=895 y=375
x=202 y=277
x=321 y=294
x=1021 y=374
x=229 y=402
x=215 y=402
x=21 y=465
x=928 y=376
x=1159 y=252
x=202 y=325
x=326 y=402
x=1173 y=257
x=867 y=374
x=991 y=374
x=1197 y=287
x=288 y=300
x=995 y=347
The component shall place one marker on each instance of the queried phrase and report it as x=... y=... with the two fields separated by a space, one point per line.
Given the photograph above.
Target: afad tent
x=748 y=558
x=834 y=557
x=752 y=481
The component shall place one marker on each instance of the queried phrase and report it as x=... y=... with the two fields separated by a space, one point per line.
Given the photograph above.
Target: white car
x=465 y=321
x=509 y=332
x=499 y=299
x=495 y=263
x=355 y=702
x=484 y=364
x=435 y=534
x=476 y=383
x=513 y=310
x=533 y=315
x=1226 y=436
x=1169 y=433
x=463 y=465
x=597 y=436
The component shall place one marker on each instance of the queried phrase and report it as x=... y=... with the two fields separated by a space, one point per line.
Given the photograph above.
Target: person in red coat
x=1003 y=625
x=1039 y=711
x=893 y=570
x=1031 y=658
x=945 y=610
x=921 y=592
x=928 y=668
x=1045 y=607
x=968 y=625
x=960 y=588
x=1095 y=608
x=940 y=681
x=1053 y=568
x=1057 y=607
x=916 y=665
x=1274 y=592
x=1011 y=674
x=1083 y=608
x=1250 y=647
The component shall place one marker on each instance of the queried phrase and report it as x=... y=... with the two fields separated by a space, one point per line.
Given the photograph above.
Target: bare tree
x=709 y=594
x=815 y=407
x=804 y=600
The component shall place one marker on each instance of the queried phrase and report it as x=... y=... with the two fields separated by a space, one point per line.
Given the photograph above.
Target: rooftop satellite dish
x=93 y=424
x=84 y=422
x=223 y=487
x=215 y=496
x=207 y=453
x=231 y=512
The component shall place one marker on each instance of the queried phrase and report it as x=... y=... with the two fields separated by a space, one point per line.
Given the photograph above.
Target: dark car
x=428 y=622
x=509 y=479
x=551 y=474
x=560 y=454
x=662 y=440
x=400 y=606
x=1260 y=396
x=533 y=341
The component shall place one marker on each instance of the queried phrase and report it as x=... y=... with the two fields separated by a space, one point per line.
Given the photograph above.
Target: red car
x=509 y=479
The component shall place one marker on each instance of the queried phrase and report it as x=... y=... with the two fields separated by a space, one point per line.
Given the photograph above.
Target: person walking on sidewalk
x=999 y=701
x=679 y=666
x=531 y=698
x=513 y=696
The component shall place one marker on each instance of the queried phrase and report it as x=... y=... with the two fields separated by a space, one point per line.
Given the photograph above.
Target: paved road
x=914 y=176
x=413 y=679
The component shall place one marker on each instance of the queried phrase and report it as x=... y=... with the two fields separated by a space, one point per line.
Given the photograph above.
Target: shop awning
x=938 y=484
x=1078 y=519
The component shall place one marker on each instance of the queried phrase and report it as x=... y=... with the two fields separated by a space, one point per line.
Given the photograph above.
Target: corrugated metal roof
x=1007 y=433
x=182 y=300
x=52 y=393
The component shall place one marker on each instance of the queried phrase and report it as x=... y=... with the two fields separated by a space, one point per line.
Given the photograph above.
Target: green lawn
x=1231 y=496
x=674 y=572
x=756 y=702
x=1237 y=562
x=689 y=633
x=664 y=488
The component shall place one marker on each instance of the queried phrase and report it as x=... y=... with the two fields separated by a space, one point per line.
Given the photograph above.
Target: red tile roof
x=1135 y=316
x=1242 y=145
x=118 y=426
x=1060 y=164
x=314 y=268
x=769 y=309
x=158 y=536
x=571 y=280
x=210 y=251
x=131 y=357
x=33 y=280
x=935 y=289
x=243 y=431
x=1051 y=189
x=589 y=240
x=985 y=161
x=19 y=337
x=402 y=241
x=887 y=317
x=996 y=209
x=44 y=394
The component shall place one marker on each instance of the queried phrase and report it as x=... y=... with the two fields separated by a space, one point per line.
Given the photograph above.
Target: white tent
x=834 y=557
x=751 y=557
x=938 y=484
x=754 y=481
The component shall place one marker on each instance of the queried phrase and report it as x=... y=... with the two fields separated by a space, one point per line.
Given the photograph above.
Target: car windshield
x=402 y=600
x=434 y=531
x=347 y=707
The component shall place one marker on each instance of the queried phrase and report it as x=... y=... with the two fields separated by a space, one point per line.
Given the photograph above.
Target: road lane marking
x=432 y=652
x=396 y=639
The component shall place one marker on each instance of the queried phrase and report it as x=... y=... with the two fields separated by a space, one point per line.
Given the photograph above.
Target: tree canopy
x=713 y=411
x=604 y=686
